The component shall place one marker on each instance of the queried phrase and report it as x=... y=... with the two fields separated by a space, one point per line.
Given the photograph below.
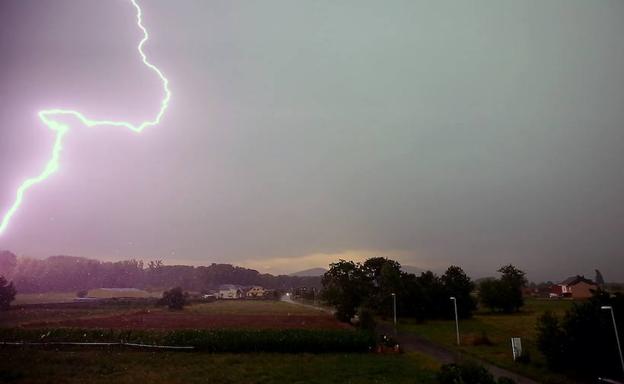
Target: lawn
x=124 y=366
x=498 y=328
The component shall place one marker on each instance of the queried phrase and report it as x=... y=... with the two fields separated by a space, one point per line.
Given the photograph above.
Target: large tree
x=346 y=286
x=460 y=286
x=504 y=294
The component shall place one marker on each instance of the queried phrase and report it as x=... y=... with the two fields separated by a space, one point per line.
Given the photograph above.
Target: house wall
x=229 y=294
x=581 y=290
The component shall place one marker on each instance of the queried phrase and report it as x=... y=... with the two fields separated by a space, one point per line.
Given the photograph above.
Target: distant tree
x=174 y=298
x=599 y=279
x=460 y=286
x=8 y=262
x=82 y=293
x=7 y=293
x=504 y=294
x=436 y=303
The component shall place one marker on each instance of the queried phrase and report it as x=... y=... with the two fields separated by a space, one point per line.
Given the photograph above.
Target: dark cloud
x=476 y=133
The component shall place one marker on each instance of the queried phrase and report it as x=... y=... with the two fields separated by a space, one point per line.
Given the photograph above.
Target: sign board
x=516 y=347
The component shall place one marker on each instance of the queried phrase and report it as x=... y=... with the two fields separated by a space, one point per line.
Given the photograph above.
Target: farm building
x=577 y=287
x=256 y=292
x=230 y=291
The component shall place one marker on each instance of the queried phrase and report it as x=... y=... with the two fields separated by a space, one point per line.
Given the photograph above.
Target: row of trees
x=68 y=273
x=350 y=287
x=368 y=286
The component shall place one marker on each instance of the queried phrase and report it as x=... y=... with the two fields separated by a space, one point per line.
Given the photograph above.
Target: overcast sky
x=476 y=133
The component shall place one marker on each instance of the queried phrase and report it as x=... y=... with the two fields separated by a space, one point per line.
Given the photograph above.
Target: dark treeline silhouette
x=70 y=273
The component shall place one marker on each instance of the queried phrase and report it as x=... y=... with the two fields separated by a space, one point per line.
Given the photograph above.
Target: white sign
x=516 y=347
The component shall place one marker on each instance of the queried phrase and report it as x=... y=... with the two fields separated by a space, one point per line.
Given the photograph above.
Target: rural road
x=411 y=342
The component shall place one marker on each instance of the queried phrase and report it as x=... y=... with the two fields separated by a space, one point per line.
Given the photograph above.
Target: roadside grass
x=122 y=366
x=499 y=329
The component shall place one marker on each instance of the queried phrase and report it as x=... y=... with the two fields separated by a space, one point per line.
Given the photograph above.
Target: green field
x=123 y=366
x=498 y=328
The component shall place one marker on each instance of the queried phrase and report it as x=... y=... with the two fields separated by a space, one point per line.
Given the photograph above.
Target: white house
x=256 y=292
x=230 y=291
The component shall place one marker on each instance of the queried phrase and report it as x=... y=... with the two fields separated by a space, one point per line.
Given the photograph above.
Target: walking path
x=411 y=342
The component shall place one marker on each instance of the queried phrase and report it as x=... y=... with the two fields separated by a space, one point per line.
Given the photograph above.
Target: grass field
x=140 y=315
x=253 y=307
x=67 y=297
x=44 y=298
x=119 y=366
x=498 y=328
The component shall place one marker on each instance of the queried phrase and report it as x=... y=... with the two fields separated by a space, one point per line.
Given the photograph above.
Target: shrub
x=468 y=373
x=582 y=342
x=524 y=358
x=174 y=298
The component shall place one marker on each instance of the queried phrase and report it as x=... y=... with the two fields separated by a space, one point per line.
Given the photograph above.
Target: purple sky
x=477 y=133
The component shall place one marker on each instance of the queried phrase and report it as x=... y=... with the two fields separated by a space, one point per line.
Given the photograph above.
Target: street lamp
x=456 y=318
x=617 y=338
x=394 y=308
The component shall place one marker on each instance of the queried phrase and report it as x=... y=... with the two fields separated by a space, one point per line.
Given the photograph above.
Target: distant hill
x=310 y=272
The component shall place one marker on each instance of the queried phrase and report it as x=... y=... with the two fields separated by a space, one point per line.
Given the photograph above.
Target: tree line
x=371 y=287
x=69 y=273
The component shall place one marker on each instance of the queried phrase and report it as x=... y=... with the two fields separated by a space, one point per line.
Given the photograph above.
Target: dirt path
x=411 y=342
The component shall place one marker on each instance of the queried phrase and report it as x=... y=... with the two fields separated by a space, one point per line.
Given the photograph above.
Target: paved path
x=287 y=299
x=411 y=342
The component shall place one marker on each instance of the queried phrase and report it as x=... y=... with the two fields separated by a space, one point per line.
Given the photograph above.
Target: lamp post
x=456 y=318
x=617 y=337
x=394 y=308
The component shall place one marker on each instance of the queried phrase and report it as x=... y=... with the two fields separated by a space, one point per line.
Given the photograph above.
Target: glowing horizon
x=61 y=129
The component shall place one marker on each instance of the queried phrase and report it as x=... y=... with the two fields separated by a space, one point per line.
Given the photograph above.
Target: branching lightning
x=61 y=129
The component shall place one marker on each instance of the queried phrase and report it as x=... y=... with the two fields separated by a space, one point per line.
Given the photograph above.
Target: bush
x=582 y=343
x=174 y=298
x=524 y=358
x=7 y=293
x=468 y=373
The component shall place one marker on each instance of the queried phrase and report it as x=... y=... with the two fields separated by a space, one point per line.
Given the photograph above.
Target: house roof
x=573 y=280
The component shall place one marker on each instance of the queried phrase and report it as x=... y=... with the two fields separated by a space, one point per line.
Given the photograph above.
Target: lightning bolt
x=60 y=129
